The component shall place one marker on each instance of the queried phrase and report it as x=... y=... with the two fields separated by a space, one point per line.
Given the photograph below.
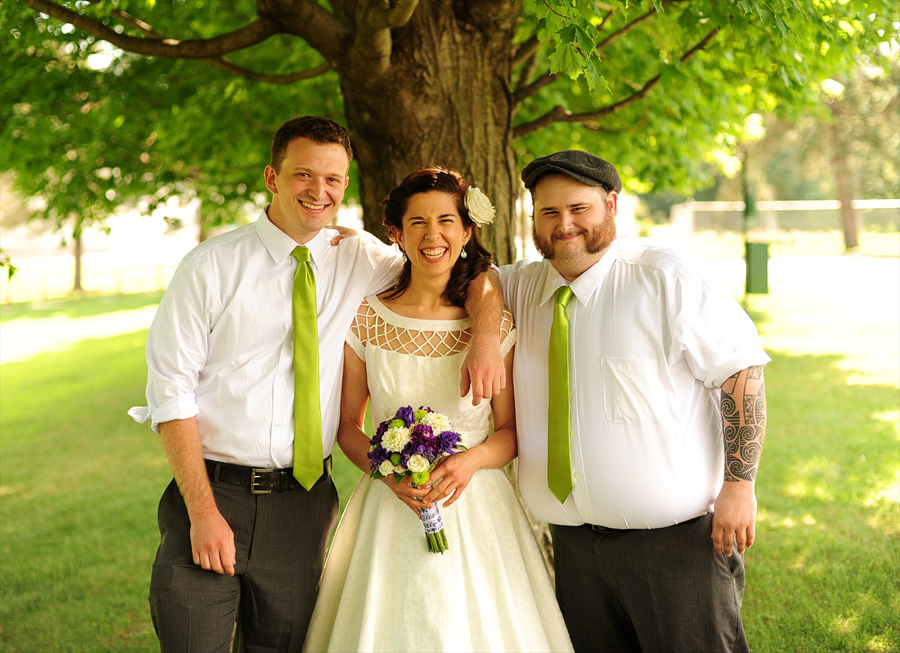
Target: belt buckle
x=255 y=481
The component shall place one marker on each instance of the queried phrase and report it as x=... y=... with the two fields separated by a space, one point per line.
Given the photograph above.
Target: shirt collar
x=280 y=245
x=586 y=283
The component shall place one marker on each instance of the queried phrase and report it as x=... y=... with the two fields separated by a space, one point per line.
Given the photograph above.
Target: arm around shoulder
x=483 y=369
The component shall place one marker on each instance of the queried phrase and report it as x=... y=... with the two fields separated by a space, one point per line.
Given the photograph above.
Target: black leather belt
x=259 y=480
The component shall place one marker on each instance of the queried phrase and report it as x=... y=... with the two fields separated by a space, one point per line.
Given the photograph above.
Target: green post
x=756 y=255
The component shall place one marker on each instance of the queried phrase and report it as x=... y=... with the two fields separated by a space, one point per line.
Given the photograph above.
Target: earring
x=404 y=258
x=464 y=254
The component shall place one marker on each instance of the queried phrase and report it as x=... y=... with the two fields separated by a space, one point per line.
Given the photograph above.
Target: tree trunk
x=843 y=177
x=78 y=251
x=444 y=99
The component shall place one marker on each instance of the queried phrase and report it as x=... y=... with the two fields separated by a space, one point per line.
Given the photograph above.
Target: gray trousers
x=654 y=590
x=281 y=539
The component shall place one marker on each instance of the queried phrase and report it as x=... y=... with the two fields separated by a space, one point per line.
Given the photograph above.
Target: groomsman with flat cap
x=641 y=417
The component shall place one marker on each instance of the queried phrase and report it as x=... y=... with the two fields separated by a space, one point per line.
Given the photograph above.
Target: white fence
x=807 y=215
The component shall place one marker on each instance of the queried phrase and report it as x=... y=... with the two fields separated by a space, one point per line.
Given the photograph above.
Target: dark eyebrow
x=568 y=206
x=419 y=217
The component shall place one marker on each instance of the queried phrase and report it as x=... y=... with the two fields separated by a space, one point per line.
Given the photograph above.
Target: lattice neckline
x=375 y=326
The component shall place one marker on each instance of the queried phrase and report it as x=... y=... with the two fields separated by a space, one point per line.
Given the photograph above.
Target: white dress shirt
x=221 y=345
x=652 y=339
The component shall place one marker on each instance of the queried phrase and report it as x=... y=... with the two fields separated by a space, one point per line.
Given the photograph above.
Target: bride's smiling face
x=433 y=233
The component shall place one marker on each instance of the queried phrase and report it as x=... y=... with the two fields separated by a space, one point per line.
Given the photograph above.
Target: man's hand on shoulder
x=483 y=369
x=343 y=232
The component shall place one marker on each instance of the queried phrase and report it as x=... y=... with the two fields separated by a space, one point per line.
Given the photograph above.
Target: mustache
x=567 y=234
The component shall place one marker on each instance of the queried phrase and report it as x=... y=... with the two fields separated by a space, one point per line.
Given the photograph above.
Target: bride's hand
x=412 y=497
x=455 y=472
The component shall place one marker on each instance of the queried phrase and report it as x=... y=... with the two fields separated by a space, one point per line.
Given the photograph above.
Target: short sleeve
x=508 y=284
x=507 y=333
x=363 y=323
x=718 y=337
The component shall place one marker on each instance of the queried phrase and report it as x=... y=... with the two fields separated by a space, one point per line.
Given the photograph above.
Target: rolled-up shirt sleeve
x=177 y=347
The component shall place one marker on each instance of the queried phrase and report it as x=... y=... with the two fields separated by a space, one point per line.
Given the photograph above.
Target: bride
x=382 y=590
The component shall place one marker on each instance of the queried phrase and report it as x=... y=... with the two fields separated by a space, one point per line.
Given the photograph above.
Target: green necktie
x=559 y=469
x=307 y=412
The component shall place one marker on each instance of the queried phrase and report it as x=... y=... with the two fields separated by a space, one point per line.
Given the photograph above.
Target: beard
x=596 y=240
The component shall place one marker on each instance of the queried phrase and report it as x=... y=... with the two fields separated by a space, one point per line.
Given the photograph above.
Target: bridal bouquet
x=409 y=444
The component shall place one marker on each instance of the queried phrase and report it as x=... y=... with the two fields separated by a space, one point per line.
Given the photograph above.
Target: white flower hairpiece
x=480 y=208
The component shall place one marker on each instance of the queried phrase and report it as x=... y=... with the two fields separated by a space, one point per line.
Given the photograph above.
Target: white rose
x=480 y=208
x=386 y=468
x=417 y=463
x=398 y=469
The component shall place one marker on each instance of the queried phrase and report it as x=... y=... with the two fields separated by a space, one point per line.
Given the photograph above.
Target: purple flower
x=448 y=440
x=421 y=433
x=377 y=457
x=406 y=414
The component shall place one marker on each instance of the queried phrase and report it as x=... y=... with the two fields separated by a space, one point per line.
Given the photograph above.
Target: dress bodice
x=417 y=362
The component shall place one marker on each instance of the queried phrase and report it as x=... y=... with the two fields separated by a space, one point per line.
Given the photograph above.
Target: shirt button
x=587 y=514
x=575 y=475
x=278 y=424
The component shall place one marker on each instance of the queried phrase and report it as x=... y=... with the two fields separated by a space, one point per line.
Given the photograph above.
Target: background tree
x=846 y=148
x=189 y=93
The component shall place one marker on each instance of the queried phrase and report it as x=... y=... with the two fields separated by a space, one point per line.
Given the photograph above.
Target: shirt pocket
x=633 y=391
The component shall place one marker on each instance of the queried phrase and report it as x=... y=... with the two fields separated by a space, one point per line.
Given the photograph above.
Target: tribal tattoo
x=744 y=419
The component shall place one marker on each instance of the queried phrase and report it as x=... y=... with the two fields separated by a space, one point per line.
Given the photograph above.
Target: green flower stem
x=437 y=542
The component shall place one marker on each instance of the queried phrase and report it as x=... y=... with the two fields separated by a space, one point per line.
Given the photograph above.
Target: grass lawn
x=79 y=484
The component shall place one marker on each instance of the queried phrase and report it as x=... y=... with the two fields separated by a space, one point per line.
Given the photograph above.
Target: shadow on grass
x=77 y=539
x=75 y=306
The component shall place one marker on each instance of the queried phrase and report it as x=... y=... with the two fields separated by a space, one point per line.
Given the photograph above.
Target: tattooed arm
x=744 y=420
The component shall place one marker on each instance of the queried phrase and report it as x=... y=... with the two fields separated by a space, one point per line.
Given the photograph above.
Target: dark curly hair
x=452 y=183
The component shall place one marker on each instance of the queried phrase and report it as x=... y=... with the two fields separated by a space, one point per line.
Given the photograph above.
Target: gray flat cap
x=581 y=166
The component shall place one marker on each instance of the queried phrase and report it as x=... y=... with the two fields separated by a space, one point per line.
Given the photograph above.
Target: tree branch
x=524 y=92
x=322 y=30
x=383 y=15
x=225 y=64
x=630 y=26
x=561 y=114
x=525 y=50
x=372 y=45
x=252 y=34
x=527 y=72
x=287 y=78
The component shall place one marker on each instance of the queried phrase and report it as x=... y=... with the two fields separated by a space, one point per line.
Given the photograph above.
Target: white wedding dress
x=382 y=590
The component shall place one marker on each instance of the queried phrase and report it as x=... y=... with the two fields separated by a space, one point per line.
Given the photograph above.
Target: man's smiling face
x=307 y=187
